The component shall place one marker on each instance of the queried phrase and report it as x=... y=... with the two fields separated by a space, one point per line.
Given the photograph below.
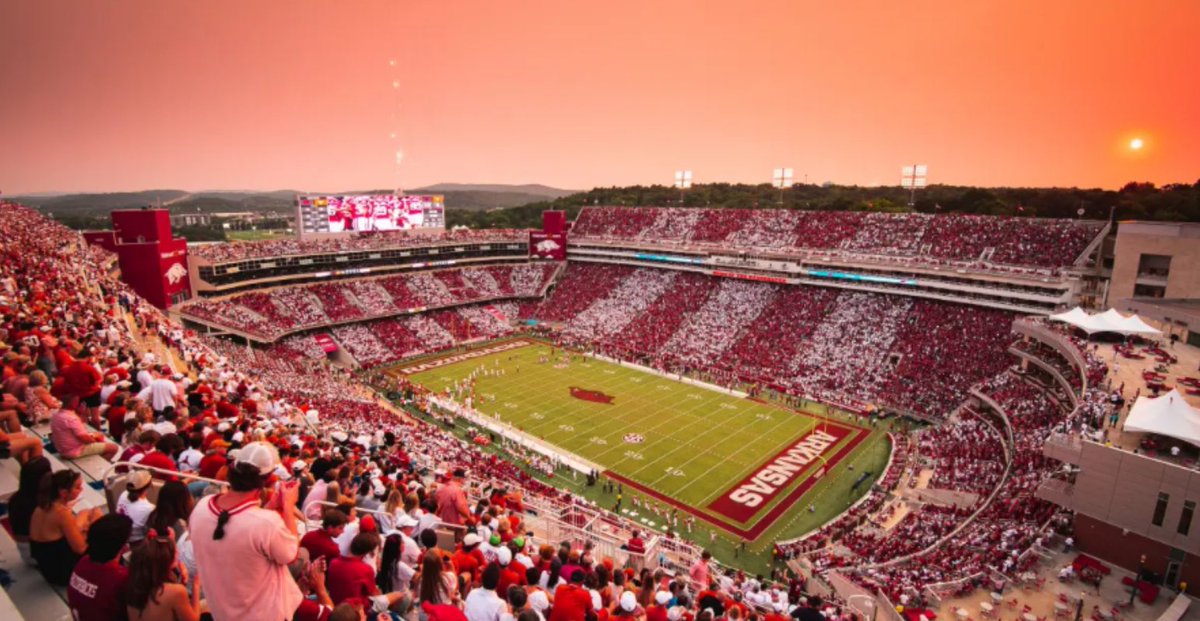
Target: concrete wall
x=1180 y=241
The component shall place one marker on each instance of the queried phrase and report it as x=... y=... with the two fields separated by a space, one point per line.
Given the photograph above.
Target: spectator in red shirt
x=509 y=575
x=161 y=458
x=96 y=591
x=320 y=543
x=116 y=415
x=635 y=544
x=468 y=560
x=571 y=601
x=82 y=379
x=351 y=578
x=134 y=454
x=214 y=460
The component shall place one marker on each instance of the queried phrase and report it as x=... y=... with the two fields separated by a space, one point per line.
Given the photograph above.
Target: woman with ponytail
x=156 y=591
x=242 y=549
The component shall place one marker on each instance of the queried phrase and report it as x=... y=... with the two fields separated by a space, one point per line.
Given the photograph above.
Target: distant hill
x=536 y=189
x=83 y=204
x=458 y=196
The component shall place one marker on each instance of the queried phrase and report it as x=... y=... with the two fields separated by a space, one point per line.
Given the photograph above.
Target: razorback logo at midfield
x=594 y=396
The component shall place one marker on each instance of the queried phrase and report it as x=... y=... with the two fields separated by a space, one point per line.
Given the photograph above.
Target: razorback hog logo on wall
x=762 y=486
x=176 y=273
x=552 y=246
x=594 y=396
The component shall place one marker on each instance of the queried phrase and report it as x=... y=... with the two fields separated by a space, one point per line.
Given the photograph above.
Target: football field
x=737 y=463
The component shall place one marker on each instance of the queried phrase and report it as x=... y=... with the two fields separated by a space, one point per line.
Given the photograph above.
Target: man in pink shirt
x=452 y=505
x=242 y=550
x=71 y=437
x=699 y=572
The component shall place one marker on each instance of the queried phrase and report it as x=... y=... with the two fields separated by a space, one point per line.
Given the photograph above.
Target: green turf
x=698 y=443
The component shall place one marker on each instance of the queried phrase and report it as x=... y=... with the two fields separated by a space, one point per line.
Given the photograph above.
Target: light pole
x=914 y=178
x=683 y=181
x=782 y=178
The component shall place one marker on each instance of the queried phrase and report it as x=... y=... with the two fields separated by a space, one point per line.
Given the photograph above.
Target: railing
x=1060 y=343
x=939 y=591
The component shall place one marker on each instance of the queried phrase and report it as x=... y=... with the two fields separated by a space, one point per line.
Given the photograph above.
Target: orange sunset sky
x=214 y=94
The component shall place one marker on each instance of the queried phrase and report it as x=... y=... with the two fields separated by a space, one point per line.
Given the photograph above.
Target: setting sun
x=1136 y=144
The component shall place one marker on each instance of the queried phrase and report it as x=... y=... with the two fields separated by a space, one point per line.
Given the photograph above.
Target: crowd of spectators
x=241 y=251
x=282 y=424
x=851 y=347
x=962 y=238
x=275 y=312
x=278 y=431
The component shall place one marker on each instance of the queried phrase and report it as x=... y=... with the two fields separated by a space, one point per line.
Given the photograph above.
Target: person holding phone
x=243 y=549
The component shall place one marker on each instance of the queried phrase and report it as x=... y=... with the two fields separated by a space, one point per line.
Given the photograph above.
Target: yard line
x=760 y=436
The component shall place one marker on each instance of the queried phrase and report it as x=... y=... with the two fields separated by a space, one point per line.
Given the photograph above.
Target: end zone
x=804 y=456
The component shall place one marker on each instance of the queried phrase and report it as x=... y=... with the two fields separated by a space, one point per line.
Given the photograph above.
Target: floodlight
x=914 y=178
x=782 y=177
x=683 y=179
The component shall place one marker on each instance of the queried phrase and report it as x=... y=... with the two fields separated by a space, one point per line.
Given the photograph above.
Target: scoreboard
x=364 y=213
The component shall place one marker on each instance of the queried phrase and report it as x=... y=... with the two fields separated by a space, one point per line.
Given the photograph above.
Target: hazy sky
x=130 y=94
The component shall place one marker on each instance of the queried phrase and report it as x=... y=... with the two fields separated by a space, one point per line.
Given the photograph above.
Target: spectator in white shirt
x=483 y=604
x=134 y=505
x=189 y=459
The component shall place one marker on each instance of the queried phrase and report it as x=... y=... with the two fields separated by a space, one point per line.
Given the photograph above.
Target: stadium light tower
x=782 y=178
x=683 y=181
x=914 y=178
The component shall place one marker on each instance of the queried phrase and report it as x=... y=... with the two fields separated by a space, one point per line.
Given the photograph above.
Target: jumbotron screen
x=362 y=213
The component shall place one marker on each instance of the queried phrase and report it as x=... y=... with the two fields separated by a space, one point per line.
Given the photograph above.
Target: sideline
x=682 y=379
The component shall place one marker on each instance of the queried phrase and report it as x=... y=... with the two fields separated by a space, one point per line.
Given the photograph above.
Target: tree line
x=1134 y=201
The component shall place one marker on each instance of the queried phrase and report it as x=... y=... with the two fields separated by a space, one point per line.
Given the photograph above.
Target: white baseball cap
x=471 y=540
x=261 y=455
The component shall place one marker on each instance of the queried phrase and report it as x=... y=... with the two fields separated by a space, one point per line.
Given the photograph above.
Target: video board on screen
x=364 y=213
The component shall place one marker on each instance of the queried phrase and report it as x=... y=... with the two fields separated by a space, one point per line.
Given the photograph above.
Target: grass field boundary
x=567 y=458
x=769 y=515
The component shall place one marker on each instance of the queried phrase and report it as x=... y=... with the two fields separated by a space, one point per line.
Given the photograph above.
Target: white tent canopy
x=1108 y=321
x=1168 y=415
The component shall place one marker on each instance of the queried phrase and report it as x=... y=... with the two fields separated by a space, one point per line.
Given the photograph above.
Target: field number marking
x=634 y=455
x=566 y=427
x=597 y=440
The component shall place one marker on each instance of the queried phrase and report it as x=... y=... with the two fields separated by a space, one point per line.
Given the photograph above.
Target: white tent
x=1168 y=415
x=1072 y=316
x=1108 y=321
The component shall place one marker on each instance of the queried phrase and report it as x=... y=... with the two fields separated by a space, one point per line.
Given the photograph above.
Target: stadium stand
x=270 y=314
x=849 y=347
x=222 y=416
x=223 y=253
x=1029 y=242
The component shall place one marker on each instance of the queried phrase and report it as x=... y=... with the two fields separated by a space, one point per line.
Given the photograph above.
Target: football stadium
x=958 y=377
